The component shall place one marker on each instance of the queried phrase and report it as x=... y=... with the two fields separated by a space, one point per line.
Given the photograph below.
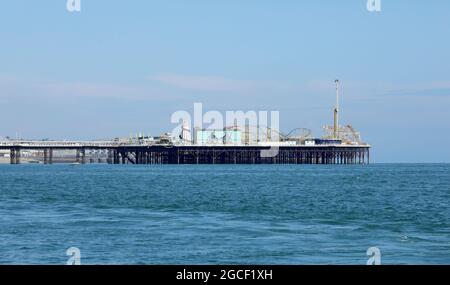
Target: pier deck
x=192 y=154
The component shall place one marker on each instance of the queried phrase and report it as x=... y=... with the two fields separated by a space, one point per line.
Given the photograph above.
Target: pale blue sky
x=125 y=66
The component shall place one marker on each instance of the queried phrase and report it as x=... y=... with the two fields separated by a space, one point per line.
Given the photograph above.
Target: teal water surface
x=225 y=214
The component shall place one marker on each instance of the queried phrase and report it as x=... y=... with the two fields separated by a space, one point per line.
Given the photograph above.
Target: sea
x=225 y=214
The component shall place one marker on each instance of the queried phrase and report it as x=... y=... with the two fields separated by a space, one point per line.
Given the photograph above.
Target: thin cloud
x=431 y=89
x=424 y=92
x=11 y=87
x=378 y=88
x=210 y=83
x=93 y=90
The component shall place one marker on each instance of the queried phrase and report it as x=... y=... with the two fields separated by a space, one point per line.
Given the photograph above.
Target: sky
x=121 y=67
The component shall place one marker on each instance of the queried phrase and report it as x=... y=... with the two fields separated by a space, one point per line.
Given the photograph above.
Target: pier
x=237 y=144
x=193 y=154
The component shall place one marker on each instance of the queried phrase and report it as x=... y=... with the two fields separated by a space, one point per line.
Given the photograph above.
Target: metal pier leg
x=122 y=157
x=83 y=156
x=109 y=159
x=46 y=156
x=14 y=156
x=50 y=156
x=114 y=156
x=18 y=156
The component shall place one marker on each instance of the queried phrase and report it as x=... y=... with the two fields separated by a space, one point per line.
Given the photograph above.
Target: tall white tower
x=336 y=112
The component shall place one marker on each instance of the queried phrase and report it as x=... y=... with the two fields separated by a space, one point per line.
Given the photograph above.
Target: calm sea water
x=225 y=214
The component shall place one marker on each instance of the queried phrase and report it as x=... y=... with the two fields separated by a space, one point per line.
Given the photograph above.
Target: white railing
x=106 y=144
x=18 y=143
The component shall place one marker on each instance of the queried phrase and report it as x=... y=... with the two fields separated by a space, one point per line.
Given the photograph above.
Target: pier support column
x=138 y=156
x=109 y=158
x=48 y=156
x=116 y=157
x=122 y=158
x=15 y=156
x=81 y=156
x=12 y=156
